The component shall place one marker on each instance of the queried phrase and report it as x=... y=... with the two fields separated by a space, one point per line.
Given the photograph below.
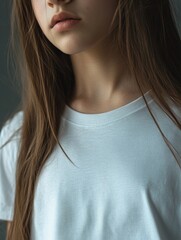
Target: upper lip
x=62 y=16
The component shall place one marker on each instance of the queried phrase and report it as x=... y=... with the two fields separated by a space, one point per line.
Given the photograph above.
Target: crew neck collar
x=95 y=119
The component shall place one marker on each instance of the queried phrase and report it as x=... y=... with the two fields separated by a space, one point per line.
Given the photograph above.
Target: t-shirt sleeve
x=8 y=160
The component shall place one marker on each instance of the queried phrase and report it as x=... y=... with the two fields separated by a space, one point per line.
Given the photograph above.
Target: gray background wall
x=9 y=96
x=9 y=91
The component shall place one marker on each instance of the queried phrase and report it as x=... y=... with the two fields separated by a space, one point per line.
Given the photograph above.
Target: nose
x=51 y=3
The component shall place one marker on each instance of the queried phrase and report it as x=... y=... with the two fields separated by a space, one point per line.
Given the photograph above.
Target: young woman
x=94 y=151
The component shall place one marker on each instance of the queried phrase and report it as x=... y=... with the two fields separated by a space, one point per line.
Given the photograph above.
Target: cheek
x=36 y=6
x=39 y=9
x=100 y=11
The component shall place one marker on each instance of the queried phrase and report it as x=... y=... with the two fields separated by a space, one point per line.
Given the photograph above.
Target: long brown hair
x=146 y=34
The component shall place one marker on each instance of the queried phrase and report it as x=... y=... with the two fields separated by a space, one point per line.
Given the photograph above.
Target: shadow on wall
x=2 y=230
x=177 y=11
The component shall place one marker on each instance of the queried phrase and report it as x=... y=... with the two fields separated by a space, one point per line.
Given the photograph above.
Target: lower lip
x=66 y=24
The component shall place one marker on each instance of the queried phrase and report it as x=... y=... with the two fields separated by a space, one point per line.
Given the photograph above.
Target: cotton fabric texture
x=127 y=186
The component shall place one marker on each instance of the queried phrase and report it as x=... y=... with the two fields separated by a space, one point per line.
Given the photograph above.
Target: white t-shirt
x=127 y=186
